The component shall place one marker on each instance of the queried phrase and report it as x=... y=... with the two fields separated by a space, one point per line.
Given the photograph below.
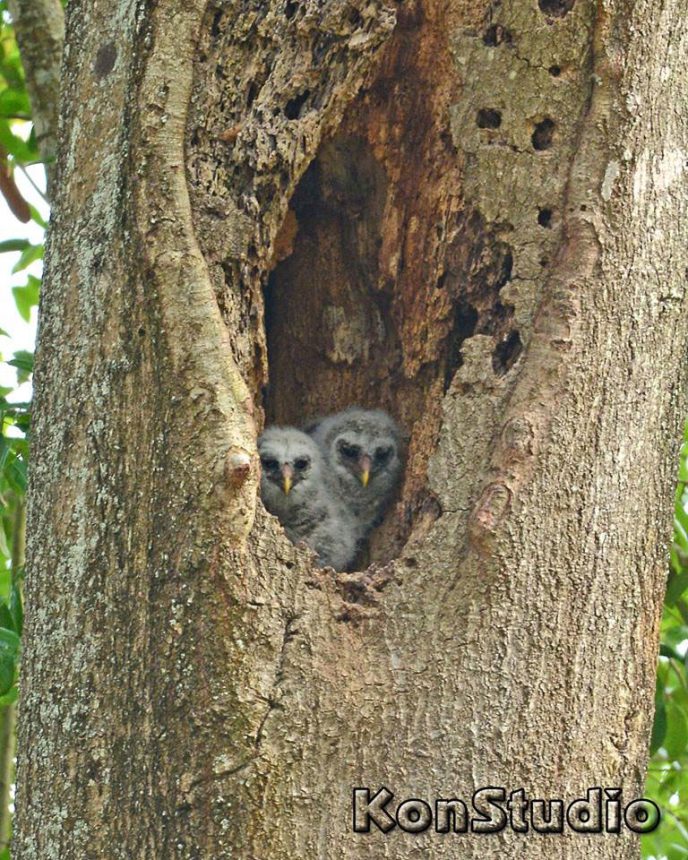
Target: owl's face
x=290 y=462
x=365 y=456
x=363 y=450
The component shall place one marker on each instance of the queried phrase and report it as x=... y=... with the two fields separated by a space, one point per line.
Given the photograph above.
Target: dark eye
x=302 y=463
x=269 y=463
x=352 y=452
x=382 y=455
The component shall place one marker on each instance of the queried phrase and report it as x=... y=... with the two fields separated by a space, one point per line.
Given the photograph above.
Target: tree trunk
x=470 y=214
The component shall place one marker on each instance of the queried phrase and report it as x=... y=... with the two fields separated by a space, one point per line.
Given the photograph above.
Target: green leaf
x=22 y=421
x=680 y=531
x=6 y=620
x=676 y=738
x=20 y=149
x=8 y=667
x=9 y=698
x=675 y=634
x=29 y=255
x=659 y=727
x=13 y=245
x=26 y=297
x=666 y=650
x=9 y=652
x=17 y=609
x=37 y=217
x=5 y=583
x=682 y=607
x=9 y=641
x=23 y=361
x=678 y=583
x=14 y=102
x=683 y=468
x=16 y=475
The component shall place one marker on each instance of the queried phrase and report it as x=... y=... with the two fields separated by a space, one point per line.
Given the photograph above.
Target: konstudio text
x=492 y=809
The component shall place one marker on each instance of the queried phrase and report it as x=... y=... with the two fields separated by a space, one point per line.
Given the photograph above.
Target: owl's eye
x=269 y=463
x=382 y=455
x=302 y=463
x=352 y=452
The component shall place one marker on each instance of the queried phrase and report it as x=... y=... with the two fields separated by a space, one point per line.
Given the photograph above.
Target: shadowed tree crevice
x=384 y=270
x=336 y=332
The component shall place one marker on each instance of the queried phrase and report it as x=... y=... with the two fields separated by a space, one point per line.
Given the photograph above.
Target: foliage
x=18 y=150
x=667 y=781
x=14 y=451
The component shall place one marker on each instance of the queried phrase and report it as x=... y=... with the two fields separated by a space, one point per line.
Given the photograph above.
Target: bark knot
x=237 y=467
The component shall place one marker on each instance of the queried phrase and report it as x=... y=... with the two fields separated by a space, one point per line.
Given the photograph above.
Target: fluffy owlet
x=361 y=451
x=294 y=489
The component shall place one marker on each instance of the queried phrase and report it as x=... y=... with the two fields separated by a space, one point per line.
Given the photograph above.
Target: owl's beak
x=365 y=463
x=287 y=476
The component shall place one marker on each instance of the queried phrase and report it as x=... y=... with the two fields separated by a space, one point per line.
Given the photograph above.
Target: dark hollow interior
x=386 y=271
x=339 y=331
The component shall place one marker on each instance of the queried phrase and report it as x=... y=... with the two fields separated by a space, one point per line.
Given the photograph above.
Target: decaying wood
x=468 y=213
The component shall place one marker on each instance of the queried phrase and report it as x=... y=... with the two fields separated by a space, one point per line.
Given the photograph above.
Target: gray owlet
x=361 y=450
x=294 y=489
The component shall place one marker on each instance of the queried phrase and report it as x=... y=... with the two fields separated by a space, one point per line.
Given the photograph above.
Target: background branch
x=39 y=30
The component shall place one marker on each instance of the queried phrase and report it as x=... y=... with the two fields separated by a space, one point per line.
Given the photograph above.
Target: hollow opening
x=543 y=134
x=506 y=353
x=488 y=118
x=292 y=109
x=375 y=287
x=465 y=323
x=506 y=269
x=355 y=315
x=253 y=90
x=545 y=218
x=215 y=28
x=496 y=35
x=556 y=8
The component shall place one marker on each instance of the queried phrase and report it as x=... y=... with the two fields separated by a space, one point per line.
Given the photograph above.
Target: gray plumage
x=294 y=489
x=361 y=448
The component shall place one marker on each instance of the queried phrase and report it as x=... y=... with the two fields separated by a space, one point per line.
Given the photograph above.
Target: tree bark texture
x=39 y=30
x=467 y=213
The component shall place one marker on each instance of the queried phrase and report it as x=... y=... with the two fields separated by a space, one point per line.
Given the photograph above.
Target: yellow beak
x=365 y=464
x=287 y=476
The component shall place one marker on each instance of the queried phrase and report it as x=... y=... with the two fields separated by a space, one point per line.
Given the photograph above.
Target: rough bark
x=39 y=30
x=471 y=216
